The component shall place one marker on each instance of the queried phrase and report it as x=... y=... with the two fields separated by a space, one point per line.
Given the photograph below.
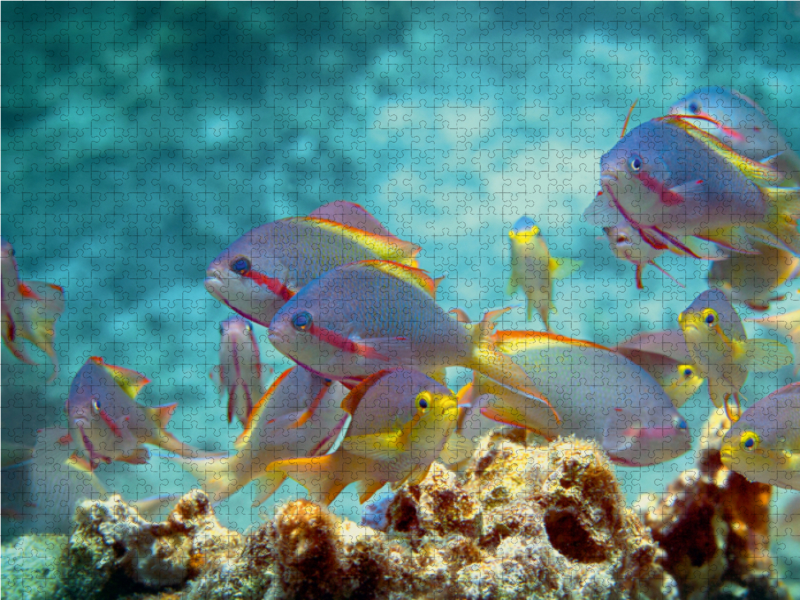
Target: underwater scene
x=400 y=300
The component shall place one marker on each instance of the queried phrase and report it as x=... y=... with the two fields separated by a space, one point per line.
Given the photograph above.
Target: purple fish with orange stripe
x=240 y=372
x=30 y=310
x=106 y=423
x=670 y=179
x=298 y=416
x=372 y=315
x=737 y=121
x=598 y=393
x=263 y=269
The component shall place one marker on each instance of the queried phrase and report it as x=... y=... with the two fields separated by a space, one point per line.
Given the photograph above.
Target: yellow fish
x=764 y=445
x=533 y=269
x=721 y=351
x=401 y=420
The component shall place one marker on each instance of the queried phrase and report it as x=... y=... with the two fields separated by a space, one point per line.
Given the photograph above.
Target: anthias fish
x=262 y=270
x=240 y=370
x=764 y=445
x=533 y=269
x=365 y=317
x=598 y=393
x=29 y=309
x=721 y=351
x=105 y=421
x=787 y=324
x=752 y=279
x=669 y=182
x=299 y=416
x=737 y=121
x=665 y=356
x=400 y=422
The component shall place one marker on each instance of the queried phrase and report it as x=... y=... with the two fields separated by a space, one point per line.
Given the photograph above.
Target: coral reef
x=113 y=549
x=30 y=565
x=713 y=525
x=522 y=521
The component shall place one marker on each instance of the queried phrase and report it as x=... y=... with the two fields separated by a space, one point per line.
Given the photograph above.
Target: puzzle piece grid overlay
x=139 y=140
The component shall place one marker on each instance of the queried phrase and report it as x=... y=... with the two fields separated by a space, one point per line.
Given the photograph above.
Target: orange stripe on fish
x=110 y=422
x=502 y=338
x=411 y=275
x=667 y=196
x=345 y=343
x=257 y=409
x=27 y=292
x=628 y=118
x=309 y=412
x=353 y=399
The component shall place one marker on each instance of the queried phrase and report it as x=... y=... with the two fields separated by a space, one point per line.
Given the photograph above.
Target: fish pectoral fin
x=379 y=447
x=268 y=483
x=456 y=449
x=161 y=414
x=561 y=268
x=140 y=456
x=367 y=489
x=765 y=356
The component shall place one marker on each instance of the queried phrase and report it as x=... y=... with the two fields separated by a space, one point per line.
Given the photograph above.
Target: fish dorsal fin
x=162 y=414
x=353 y=399
x=757 y=172
x=518 y=341
x=351 y=214
x=460 y=315
x=416 y=277
x=260 y=406
x=387 y=247
x=129 y=380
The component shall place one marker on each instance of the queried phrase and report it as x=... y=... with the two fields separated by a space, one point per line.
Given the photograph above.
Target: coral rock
x=112 y=547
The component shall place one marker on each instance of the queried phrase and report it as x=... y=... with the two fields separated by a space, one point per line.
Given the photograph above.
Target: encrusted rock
x=112 y=547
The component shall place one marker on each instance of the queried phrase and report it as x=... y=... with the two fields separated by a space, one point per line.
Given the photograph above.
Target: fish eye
x=622 y=239
x=749 y=440
x=96 y=406
x=688 y=372
x=694 y=107
x=711 y=317
x=680 y=423
x=240 y=265
x=423 y=401
x=635 y=163
x=302 y=321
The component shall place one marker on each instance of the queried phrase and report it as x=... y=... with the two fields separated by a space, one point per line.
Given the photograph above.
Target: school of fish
x=367 y=401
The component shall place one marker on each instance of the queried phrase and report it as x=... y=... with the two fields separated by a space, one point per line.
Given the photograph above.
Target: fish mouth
x=214 y=285
x=726 y=456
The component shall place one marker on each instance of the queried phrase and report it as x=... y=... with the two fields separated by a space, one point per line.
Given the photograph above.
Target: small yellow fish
x=533 y=269
x=721 y=351
x=401 y=420
x=764 y=445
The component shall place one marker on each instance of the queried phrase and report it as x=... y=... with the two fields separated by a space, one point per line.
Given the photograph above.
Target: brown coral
x=112 y=547
x=713 y=525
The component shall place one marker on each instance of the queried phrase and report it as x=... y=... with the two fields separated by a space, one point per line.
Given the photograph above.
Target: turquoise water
x=139 y=140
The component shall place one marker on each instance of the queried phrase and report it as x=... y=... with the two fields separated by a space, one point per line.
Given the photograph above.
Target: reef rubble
x=520 y=521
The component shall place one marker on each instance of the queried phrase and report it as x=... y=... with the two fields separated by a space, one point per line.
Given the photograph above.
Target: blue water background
x=139 y=140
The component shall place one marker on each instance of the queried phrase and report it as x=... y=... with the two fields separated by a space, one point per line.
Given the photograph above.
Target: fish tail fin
x=491 y=362
x=326 y=476
x=268 y=482
x=783 y=209
x=733 y=412
x=218 y=477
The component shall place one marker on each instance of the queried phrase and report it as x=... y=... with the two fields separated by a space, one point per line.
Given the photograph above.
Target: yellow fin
x=764 y=356
x=161 y=415
x=386 y=246
x=326 y=476
x=129 y=380
x=367 y=489
x=411 y=275
x=561 y=268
